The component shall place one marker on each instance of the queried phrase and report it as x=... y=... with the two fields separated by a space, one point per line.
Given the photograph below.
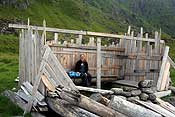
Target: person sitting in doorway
x=81 y=67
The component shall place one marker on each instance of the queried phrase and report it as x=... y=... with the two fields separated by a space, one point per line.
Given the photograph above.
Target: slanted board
x=156 y=108
x=171 y=62
x=164 y=60
x=47 y=83
x=165 y=76
x=62 y=76
x=127 y=83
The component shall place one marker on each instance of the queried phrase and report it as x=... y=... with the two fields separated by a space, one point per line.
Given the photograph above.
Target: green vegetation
x=111 y=16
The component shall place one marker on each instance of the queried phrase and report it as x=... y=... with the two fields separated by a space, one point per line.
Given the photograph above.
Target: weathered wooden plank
x=166 y=105
x=127 y=83
x=171 y=62
x=165 y=76
x=29 y=88
x=78 y=32
x=130 y=109
x=37 y=82
x=93 y=90
x=47 y=83
x=164 y=60
x=156 y=108
x=99 y=62
x=162 y=93
x=15 y=99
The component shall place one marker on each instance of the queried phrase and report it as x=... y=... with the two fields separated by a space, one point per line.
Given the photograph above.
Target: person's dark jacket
x=78 y=66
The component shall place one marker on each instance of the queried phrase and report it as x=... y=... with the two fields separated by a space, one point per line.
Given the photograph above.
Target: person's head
x=82 y=57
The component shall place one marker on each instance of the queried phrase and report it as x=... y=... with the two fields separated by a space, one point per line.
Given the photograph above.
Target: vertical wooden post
x=129 y=30
x=55 y=38
x=164 y=60
x=98 y=62
x=79 y=40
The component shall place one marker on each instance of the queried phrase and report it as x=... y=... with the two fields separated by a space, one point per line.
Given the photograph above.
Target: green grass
x=8 y=73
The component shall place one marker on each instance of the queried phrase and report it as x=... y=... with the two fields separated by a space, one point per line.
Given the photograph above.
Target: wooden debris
x=163 y=93
x=93 y=90
x=130 y=109
x=127 y=83
x=156 y=108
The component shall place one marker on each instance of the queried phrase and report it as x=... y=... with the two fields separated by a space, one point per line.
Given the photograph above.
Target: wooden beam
x=98 y=62
x=130 y=109
x=156 y=108
x=162 y=93
x=93 y=90
x=81 y=32
x=162 y=69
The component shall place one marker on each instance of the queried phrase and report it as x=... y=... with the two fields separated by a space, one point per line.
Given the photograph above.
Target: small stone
x=122 y=97
x=146 y=84
x=128 y=89
x=147 y=90
x=117 y=91
x=131 y=99
x=152 y=97
x=135 y=92
x=126 y=94
x=144 y=96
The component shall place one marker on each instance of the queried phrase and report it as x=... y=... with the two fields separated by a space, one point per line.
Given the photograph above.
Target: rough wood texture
x=130 y=109
x=156 y=108
x=163 y=93
x=98 y=62
x=93 y=90
x=65 y=109
x=164 y=60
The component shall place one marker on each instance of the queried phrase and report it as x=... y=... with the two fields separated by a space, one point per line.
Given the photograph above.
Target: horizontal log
x=131 y=109
x=82 y=32
x=93 y=90
x=162 y=93
x=64 y=109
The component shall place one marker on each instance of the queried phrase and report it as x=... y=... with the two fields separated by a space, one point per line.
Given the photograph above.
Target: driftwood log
x=65 y=109
x=130 y=109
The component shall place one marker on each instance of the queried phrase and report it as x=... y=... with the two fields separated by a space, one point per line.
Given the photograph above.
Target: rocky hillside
x=96 y=15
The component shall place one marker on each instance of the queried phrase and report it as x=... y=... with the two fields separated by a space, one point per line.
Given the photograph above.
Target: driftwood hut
x=126 y=60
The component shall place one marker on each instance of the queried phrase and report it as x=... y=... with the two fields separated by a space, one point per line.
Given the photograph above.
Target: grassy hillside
x=94 y=15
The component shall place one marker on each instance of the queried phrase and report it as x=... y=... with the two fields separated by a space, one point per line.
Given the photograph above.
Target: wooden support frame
x=82 y=32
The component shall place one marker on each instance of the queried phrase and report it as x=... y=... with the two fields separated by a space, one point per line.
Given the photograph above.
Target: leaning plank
x=65 y=109
x=156 y=108
x=47 y=83
x=131 y=109
x=93 y=90
x=164 y=60
x=37 y=81
x=171 y=62
x=127 y=83
x=165 y=76
x=15 y=99
x=163 y=93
